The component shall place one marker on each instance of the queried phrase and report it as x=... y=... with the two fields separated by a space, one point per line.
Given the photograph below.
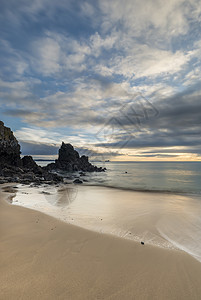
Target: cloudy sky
x=117 y=79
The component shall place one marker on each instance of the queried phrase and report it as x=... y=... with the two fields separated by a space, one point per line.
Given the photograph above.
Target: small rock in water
x=77 y=181
x=142 y=243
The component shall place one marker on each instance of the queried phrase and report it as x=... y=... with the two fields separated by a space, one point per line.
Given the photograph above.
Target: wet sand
x=44 y=258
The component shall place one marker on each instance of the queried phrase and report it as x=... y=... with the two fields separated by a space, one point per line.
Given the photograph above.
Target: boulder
x=77 y=181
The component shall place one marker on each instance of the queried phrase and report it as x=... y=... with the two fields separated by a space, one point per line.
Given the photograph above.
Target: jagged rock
x=9 y=147
x=25 y=170
x=67 y=153
x=70 y=161
x=28 y=162
x=15 y=169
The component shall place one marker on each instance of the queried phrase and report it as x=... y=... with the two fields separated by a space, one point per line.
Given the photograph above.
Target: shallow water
x=165 y=220
x=173 y=177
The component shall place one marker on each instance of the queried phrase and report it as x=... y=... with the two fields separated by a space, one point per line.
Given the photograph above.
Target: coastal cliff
x=13 y=168
x=9 y=147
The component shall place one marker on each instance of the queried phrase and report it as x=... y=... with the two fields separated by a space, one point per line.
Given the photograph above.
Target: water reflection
x=62 y=196
x=161 y=219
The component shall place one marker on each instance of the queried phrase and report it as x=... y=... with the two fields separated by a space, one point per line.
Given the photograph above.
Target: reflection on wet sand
x=63 y=196
x=12 y=190
x=160 y=219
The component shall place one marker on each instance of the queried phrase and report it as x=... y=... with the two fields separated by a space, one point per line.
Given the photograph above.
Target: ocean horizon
x=169 y=177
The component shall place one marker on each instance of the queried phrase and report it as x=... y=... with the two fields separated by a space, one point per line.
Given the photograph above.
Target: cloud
x=177 y=124
x=47 y=55
x=28 y=148
x=86 y=62
x=146 y=17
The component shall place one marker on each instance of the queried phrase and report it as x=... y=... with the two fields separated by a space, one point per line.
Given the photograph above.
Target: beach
x=45 y=258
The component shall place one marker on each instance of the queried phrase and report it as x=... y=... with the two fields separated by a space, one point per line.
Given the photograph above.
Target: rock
x=67 y=153
x=9 y=147
x=28 y=162
x=29 y=177
x=25 y=170
x=3 y=180
x=77 y=181
x=15 y=169
x=70 y=161
x=82 y=174
x=142 y=243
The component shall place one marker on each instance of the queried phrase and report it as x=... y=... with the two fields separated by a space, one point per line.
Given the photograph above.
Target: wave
x=144 y=190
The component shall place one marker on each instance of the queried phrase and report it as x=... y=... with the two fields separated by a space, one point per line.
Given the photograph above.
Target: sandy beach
x=44 y=258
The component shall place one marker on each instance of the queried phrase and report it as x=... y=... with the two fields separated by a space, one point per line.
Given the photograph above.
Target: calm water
x=176 y=177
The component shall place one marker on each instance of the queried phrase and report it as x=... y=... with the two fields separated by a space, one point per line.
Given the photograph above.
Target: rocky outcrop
x=15 y=169
x=69 y=160
x=9 y=147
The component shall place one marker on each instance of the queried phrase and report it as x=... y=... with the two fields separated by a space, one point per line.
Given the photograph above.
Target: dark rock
x=15 y=169
x=3 y=180
x=25 y=170
x=142 y=243
x=9 y=147
x=70 y=161
x=77 y=181
x=29 y=177
x=8 y=172
x=28 y=162
x=67 y=153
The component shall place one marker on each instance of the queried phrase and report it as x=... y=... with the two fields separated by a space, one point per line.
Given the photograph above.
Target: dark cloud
x=177 y=123
x=31 y=148
x=28 y=148
x=22 y=113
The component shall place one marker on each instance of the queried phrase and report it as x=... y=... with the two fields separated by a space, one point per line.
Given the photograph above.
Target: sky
x=120 y=80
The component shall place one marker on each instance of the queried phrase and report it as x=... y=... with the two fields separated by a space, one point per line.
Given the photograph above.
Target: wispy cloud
x=70 y=66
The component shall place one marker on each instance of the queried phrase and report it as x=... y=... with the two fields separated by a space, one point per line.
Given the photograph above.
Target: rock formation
x=69 y=160
x=9 y=147
x=15 y=169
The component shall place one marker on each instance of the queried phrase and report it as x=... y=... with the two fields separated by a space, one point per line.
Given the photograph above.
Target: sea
x=165 y=177
x=158 y=203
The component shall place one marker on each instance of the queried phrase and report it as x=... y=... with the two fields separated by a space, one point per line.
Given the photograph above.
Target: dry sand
x=44 y=258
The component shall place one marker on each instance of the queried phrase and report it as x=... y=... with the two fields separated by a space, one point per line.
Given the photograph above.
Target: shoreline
x=168 y=192
x=112 y=234
x=153 y=218
x=49 y=259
